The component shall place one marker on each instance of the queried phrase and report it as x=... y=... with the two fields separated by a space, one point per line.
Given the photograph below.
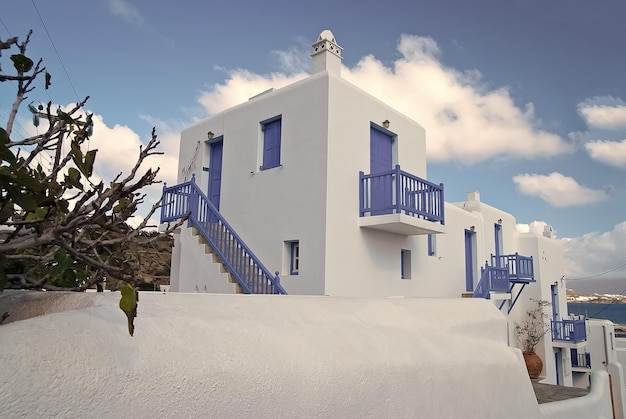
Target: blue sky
x=524 y=101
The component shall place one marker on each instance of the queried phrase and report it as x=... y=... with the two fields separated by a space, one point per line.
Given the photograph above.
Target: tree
x=61 y=227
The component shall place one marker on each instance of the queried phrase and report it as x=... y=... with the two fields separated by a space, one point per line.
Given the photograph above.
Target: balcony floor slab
x=401 y=224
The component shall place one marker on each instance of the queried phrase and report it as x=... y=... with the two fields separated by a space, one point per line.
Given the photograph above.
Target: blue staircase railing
x=492 y=279
x=186 y=199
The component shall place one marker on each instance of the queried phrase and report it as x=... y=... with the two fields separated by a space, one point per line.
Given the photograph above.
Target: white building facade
x=327 y=186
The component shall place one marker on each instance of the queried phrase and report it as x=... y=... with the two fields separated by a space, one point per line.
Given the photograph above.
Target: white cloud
x=536 y=227
x=126 y=11
x=241 y=86
x=464 y=120
x=603 y=112
x=596 y=253
x=609 y=152
x=558 y=190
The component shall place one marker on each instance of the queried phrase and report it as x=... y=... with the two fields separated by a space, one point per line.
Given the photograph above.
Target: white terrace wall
x=222 y=356
x=597 y=404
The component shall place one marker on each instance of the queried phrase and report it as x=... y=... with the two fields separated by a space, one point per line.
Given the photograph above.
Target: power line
x=600 y=274
x=55 y=50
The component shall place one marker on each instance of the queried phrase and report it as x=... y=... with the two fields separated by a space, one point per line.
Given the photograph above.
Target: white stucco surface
x=596 y=405
x=202 y=355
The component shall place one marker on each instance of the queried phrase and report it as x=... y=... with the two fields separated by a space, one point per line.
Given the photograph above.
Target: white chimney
x=326 y=54
x=473 y=196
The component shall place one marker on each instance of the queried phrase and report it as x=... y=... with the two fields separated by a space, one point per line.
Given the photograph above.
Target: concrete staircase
x=208 y=250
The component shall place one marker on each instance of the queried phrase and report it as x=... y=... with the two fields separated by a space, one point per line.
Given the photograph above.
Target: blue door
x=469 y=260
x=381 y=161
x=215 y=173
x=555 y=301
x=498 y=238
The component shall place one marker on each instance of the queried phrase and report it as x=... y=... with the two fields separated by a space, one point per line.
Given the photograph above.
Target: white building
x=321 y=190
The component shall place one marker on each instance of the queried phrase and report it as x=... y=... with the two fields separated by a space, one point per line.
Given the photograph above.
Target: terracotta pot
x=534 y=364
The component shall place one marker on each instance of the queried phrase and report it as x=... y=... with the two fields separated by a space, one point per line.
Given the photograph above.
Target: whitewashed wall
x=222 y=356
x=596 y=405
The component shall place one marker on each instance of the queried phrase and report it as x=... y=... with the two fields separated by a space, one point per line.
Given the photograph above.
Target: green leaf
x=66 y=118
x=122 y=203
x=22 y=63
x=7 y=210
x=90 y=159
x=73 y=178
x=6 y=154
x=4 y=136
x=24 y=201
x=128 y=304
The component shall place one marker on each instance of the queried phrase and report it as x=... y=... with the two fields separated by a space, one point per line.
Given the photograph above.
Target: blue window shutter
x=431 y=245
x=271 y=144
x=295 y=258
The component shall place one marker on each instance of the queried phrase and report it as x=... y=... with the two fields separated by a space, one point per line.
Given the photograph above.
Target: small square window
x=405 y=264
x=271 y=142
x=294 y=264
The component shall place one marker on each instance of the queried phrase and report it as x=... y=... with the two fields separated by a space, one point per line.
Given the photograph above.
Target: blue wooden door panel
x=469 y=261
x=381 y=161
x=215 y=173
x=271 y=145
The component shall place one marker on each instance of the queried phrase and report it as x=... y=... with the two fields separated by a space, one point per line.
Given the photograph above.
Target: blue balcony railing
x=396 y=191
x=580 y=360
x=571 y=331
x=521 y=268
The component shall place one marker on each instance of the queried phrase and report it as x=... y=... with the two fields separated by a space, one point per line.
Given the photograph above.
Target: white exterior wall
x=549 y=270
x=605 y=356
x=268 y=207
x=360 y=261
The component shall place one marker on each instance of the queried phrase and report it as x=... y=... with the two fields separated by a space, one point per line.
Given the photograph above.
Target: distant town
x=574 y=297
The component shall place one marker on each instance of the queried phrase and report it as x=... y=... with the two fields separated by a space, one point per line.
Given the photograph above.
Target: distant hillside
x=156 y=257
x=575 y=297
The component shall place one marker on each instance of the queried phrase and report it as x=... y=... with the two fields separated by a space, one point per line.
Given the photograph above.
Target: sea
x=614 y=312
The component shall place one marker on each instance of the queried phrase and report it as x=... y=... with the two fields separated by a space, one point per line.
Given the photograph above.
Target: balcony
x=580 y=360
x=399 y=202
x=520 y=268
x=568 y=333
x=498 y=280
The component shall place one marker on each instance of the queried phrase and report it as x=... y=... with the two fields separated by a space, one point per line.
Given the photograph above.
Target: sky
x=522 y=100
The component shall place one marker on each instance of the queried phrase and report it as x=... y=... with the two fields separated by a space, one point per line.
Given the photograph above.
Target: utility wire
x=608 y=305
x=55 y=50
x=600 y=274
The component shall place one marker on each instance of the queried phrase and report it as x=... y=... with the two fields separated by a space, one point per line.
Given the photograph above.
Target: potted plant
x=529 y=333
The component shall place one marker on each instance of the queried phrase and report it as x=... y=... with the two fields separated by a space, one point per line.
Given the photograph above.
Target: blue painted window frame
x=294 y=257
x=272 y=137
x=497 y=232
x=405 y=264
x=432 y=245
